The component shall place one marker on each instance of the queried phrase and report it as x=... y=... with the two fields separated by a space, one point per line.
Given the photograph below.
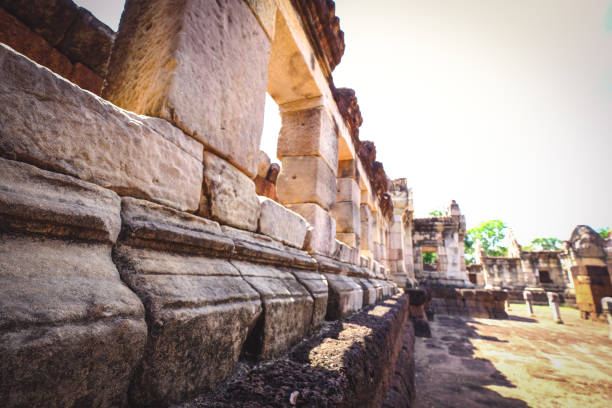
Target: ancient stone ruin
x=579 y=273
x=150 y=253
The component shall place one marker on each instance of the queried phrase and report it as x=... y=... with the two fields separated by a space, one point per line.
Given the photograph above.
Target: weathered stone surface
x=348 y=190
x=86 y=78
x=348 y=169
x=16 y=35
x=320 y=239
x=64 y=316
x=43 y=202
x=206 y=75
x=53 y=124
x=281 y=223
x=231 y=196
x=369 y=291
x=309 y=133
x=349 y=238
x=77 y=364
x=249 y=246
x=49 y=18
x=306 y=179
x=346 y=215
x=263 y=165
x=316 y=284
x=347 y=364
x=199 y=311
x=265 y=188
x=324 y=28
x=151 y=225
x=88 y=41
x=287 y=309
x=266 y=14
x=349 y=109
x=345 y=296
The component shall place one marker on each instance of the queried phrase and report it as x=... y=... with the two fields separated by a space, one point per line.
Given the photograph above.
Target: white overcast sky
x=502 y=105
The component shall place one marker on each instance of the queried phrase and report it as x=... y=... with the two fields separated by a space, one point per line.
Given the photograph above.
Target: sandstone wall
x=138 y=262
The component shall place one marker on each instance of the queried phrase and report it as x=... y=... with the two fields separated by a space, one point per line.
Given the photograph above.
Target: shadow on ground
x=448 y=374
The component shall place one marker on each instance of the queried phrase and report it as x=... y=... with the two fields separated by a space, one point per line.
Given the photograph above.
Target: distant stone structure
x=579 y=273
x=443 y=238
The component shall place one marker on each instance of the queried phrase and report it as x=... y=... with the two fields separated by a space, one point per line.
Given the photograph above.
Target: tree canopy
x=491 y=234
x=436 y=213
x=544 y=244
x=604 y=232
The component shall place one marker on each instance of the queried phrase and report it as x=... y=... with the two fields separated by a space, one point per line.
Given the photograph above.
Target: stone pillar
x=606 y=307
x=417 y=298
x=528 y=296
x=202 y=65
x=346 y=212
x=308 y=149
x=553 y=302
x=366 y=243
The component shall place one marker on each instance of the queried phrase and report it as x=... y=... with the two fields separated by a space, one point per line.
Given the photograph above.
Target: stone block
x=86 y=78
x=349 y=238
x=309 y=132
x=88 y=41
x=287 y=309
x=263 y=166
x=348 y=169
x=64 y=309
x=281 y=223
x=249 y=246
x=230 y=195
x=306 y=179
x=265 y=188
x=49 y=122
x=208 y=74
x=346 y=215
x=316 y=284
x=321 y=237
x=48 y=18
x=348 y=190
x=379 y=289
x=41 y=202
x=266 y=14
x=369 y=291
x=345 y=296
x=199 y=311
x=19 y=37
x=343 y=252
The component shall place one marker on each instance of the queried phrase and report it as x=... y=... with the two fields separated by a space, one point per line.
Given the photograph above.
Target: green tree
x=604 y=232
x=491 y=234
x=436 y=213
x=544 y=244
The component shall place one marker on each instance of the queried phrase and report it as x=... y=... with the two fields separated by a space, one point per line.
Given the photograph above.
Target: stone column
x=606 y=307
x=346 y=212
x=201 y=65
x=417 y=299
x=367 y=232
x=308 y=149
x=528 y=296
x=553 y=301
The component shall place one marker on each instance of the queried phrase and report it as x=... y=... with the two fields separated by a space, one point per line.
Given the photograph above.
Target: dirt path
x=521 y=362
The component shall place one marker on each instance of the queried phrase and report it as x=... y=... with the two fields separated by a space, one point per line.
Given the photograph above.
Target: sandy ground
x=521 y=362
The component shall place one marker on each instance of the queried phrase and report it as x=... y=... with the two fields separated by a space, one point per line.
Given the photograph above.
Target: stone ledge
x=38 y=201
